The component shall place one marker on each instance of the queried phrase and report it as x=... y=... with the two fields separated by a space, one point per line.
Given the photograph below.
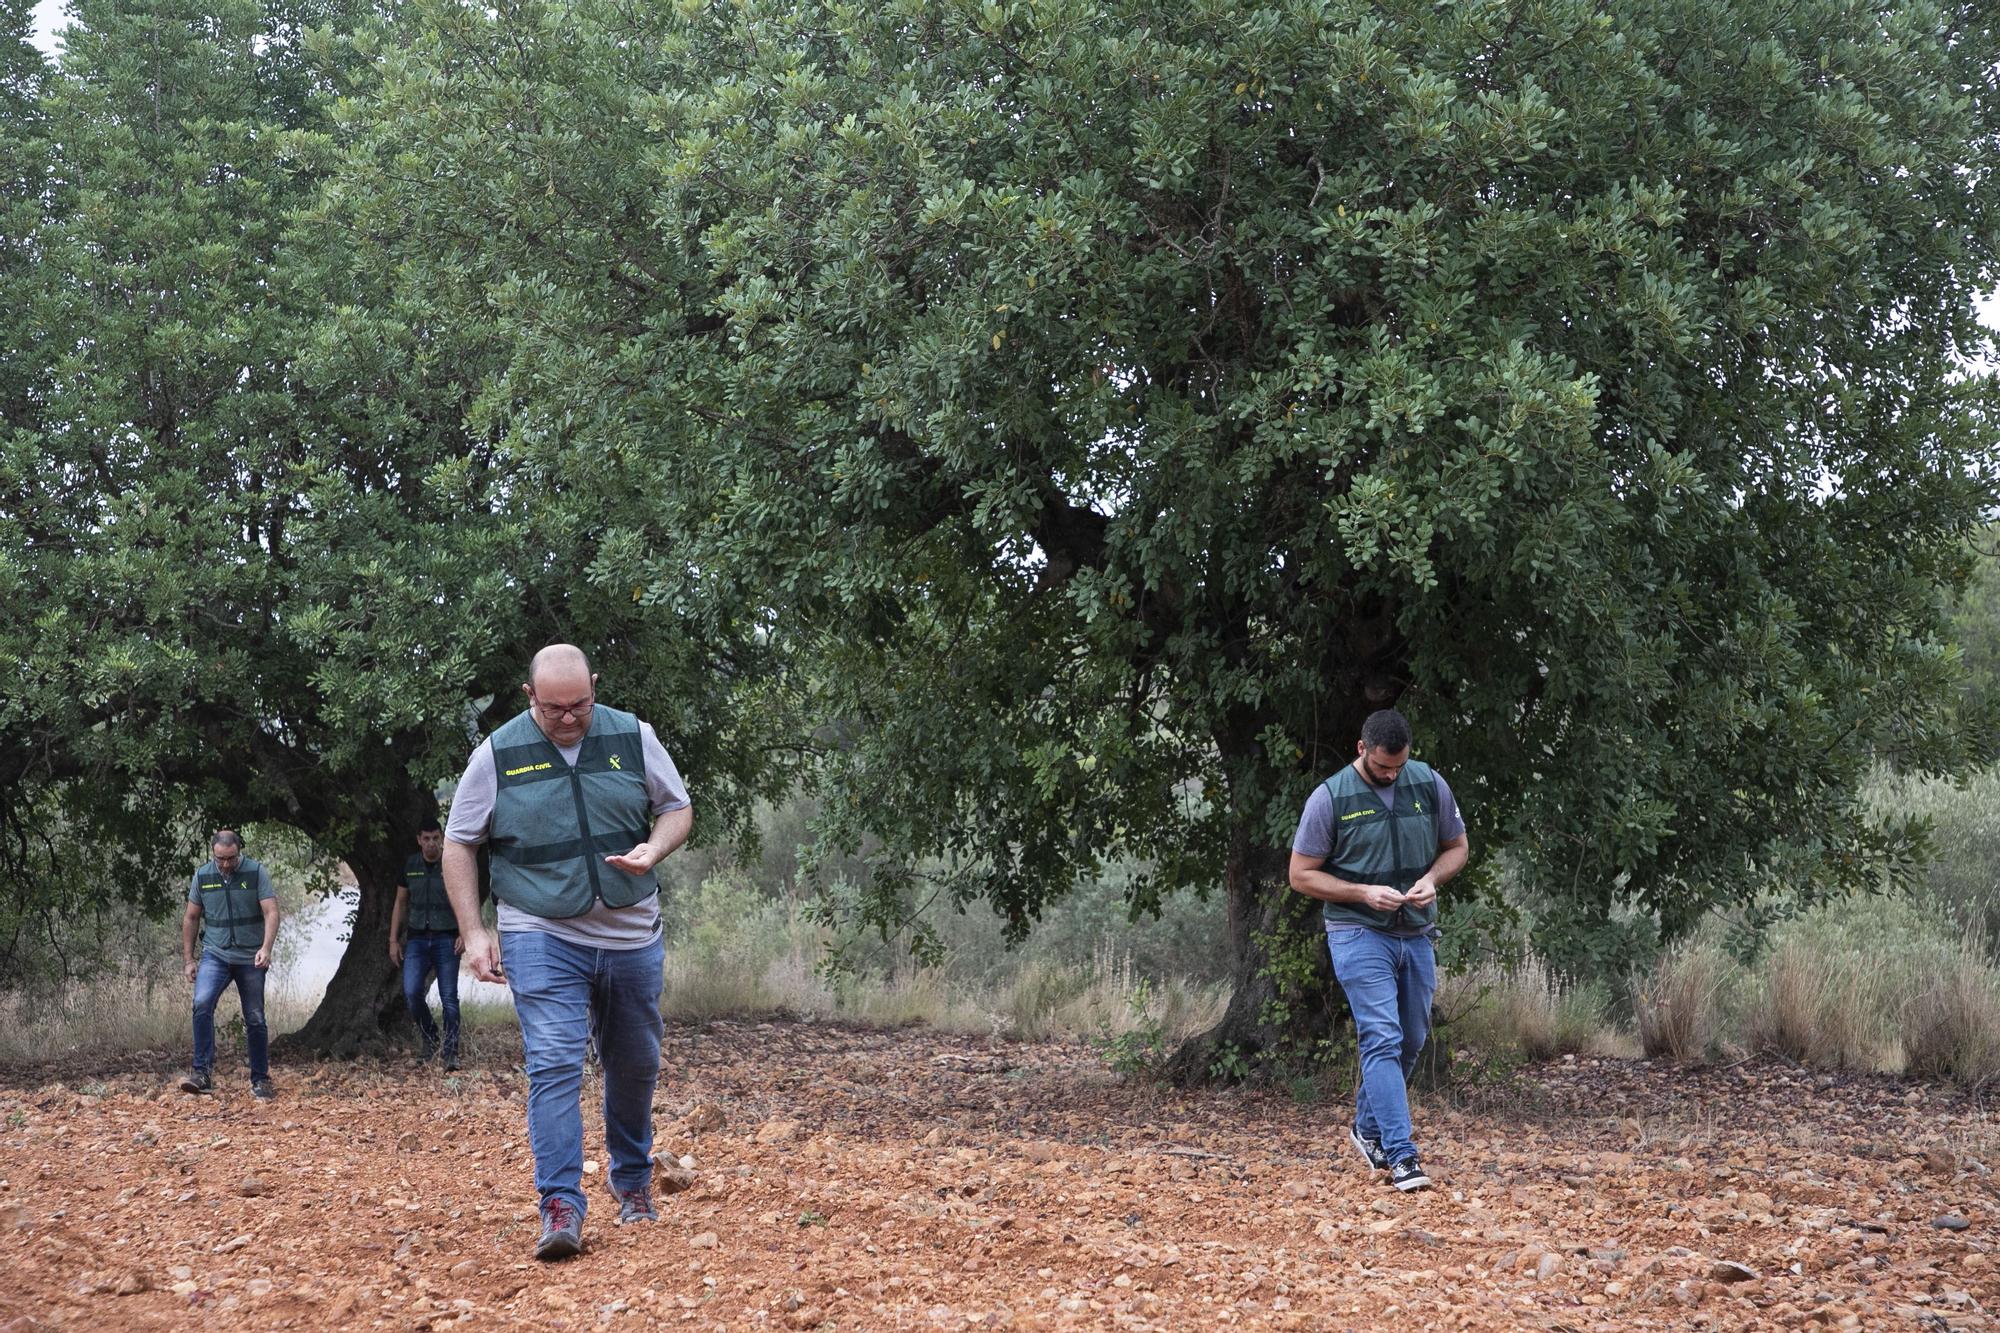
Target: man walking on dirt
x=233 y=908
x=432 y=945
x=578 y=803
x=1374 y=844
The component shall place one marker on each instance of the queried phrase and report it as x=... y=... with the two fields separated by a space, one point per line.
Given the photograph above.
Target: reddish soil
x=908 y=1180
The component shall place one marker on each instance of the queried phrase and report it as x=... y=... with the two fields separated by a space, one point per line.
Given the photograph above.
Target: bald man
x=577 y=802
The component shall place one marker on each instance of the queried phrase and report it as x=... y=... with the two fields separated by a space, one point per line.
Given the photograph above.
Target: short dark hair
x=226 y=837
x=1386 y=729
x=429 y=824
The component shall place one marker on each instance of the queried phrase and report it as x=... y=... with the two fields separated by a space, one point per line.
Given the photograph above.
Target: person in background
x=233 y=909
x=432 y=944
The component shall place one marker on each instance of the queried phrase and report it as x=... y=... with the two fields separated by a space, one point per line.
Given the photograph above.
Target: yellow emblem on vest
x=615 y=764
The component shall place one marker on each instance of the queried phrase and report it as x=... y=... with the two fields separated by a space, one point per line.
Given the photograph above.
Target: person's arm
x=461 y=886
x=396 y=916
x=1452 y=853
x=190 y=932
x=270 y=908
x=670 y=830
x=1308 y=878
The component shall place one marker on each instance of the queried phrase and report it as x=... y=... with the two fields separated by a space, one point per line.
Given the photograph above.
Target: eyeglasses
x=564 y=712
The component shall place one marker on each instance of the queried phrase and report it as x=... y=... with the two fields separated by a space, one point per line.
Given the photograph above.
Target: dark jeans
x=210 y=980
x=424 y=954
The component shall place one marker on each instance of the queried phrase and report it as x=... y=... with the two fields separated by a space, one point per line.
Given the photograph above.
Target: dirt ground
x=911 y=1180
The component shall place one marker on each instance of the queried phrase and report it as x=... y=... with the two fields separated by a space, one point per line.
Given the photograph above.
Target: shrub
x=1681 y=1004
x=1525 y=1008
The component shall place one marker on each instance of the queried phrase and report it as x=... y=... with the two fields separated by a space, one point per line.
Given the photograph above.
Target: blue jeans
x=564 y=994
x=210 y=980
x=1389 y=982
x=423 y=955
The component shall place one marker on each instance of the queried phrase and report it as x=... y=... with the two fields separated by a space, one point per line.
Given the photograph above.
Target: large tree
x=1118 y=401
x=269 y=555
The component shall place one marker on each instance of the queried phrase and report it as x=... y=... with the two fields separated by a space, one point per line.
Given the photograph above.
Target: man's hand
x=458 y=944
x=637 y=861
x=192 y=968
x=263 y=958
x=1423 y=893
x=482 y=955
x=1382 y=898
x=395 y=951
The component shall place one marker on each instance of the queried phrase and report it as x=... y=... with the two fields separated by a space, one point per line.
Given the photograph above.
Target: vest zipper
x=583 y=827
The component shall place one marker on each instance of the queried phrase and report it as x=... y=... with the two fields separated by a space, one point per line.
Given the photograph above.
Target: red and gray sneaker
x=636 y=1205
x=562 y=1230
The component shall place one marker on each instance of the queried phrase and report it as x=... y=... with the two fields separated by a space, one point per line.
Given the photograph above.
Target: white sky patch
x=48 y=19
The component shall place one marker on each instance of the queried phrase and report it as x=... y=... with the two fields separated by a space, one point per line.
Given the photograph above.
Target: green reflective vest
x=1375 y=844
x=554 y=823
x=429 y=908
x=230 y=916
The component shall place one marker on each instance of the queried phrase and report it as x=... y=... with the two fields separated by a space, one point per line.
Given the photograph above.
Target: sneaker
x=197 y=1081
x=1370 y=1149
x=636 y=1205
x=562 y=1231
x=1409 y=1175
x=261 y=1089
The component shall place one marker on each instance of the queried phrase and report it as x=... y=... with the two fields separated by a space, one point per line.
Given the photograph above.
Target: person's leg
x=417 y=980
x=444 y=958
x=256 y=1036
x=1416 y=986
x=1365 y=963
x=626 y=1014
x=551 y=981
x=210 y=979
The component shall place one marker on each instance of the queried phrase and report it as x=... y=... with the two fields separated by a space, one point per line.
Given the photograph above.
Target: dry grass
x=1524 y=1008
x=1681 y=1006
x=1823 y=1008
x=1951 y=1024
x=121 y=1015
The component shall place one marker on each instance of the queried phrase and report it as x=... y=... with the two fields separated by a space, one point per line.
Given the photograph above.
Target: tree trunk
x=364 y=1000
x=1284 y=999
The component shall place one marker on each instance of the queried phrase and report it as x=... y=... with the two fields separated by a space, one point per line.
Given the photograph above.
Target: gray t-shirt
x=1315 y=835
x=601 y=927
x=264 y=890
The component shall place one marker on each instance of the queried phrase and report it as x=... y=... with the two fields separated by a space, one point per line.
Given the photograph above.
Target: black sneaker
x=1409 y=1175
x=197 y=1081
x=261 y=1089
x=1370 y=1149
x=562 y=1231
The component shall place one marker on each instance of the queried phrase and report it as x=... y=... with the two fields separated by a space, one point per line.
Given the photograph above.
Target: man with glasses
x=1376 y=840
x=577 y=802
x=232 y=907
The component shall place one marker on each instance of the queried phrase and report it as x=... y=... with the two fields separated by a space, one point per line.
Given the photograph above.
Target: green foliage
x=264 y=553
x=1115 y=402
x=1048 y=428
x=1140 y=1050
x=1960 y=881
x=1975 y=623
